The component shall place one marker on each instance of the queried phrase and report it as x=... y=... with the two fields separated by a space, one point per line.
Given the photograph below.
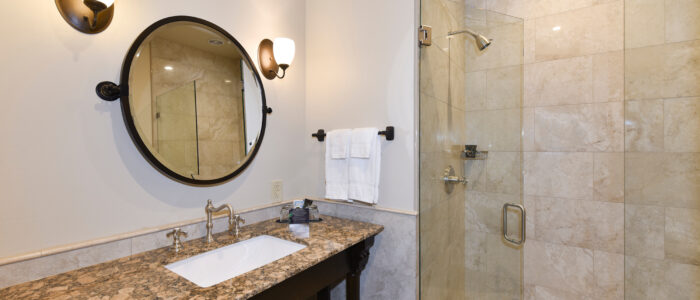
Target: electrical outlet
x=276 y=190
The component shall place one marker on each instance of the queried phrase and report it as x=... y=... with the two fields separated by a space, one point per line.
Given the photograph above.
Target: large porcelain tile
x=594 y=29
x=644 y=231
x=540 y=8
x=644 y=23
x=609 y=271
x=504 y=88
x=644 y=73
x=682 y=69
x=644 y=278
x=503 y=173
x=608 y=76
x=475 y=90
x=644 y=126
x=587 y=127
x=562 y=175
x=682 y=281
x=434 y=75
x=566 y=81
x=682 y=125
x=528 y=131
x=581 y=223
x=682 y=20
x=664 y=179
x=609 y=177
x=569 y=269
x=514 y=8
x=529 y=44
x=682 y=238
x=536 y=292
x=484 y=211
x=494 y=130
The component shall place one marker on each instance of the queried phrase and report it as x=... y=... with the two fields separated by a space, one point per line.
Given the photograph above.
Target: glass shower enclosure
x=471 y=199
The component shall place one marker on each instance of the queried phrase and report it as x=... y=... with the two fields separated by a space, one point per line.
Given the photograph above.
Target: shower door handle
x=522 y=223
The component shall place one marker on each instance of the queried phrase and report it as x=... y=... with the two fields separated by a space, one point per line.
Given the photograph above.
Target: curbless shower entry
x=471 y=154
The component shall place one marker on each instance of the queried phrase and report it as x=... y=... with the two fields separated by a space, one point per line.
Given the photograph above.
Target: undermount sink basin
x=224 y=263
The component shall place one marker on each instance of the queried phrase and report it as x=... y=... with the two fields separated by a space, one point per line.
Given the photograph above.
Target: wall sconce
x=275 y=56
x=87 y=16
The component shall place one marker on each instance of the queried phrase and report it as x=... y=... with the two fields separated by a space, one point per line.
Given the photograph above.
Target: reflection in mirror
x=195 y=100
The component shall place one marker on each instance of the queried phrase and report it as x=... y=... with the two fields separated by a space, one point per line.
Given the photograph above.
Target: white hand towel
x=362 y=141
x=337 y=168
x=364 y=173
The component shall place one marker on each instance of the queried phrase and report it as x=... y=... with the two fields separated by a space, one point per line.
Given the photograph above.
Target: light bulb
x=283 y=49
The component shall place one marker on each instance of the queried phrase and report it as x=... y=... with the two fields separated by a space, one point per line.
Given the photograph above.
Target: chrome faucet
x=233 y=220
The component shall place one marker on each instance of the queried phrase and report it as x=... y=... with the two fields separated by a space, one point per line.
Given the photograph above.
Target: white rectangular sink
x=224 y=263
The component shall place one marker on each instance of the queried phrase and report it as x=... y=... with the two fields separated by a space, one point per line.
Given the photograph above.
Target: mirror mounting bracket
x=268 y=110
x=108 y=91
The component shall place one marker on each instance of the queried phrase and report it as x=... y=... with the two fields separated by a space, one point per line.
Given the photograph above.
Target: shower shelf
x=470 y=153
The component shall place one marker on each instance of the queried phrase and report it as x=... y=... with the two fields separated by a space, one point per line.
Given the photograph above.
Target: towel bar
x=388 y=133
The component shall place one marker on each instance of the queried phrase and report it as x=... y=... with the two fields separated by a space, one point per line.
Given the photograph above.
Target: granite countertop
x=144 y=275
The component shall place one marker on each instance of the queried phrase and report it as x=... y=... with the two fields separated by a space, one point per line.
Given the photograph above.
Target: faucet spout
x=210 y=210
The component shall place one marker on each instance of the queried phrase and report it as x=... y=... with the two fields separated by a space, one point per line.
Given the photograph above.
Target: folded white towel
x=363 y=172
x=337 y=168
x=362 y=141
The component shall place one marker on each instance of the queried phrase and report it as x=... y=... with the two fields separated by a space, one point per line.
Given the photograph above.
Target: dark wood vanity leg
x=324 y=294
x=359 y=256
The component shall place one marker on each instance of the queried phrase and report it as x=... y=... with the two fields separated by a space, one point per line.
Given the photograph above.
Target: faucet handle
x=176 y=234
x=235 y=224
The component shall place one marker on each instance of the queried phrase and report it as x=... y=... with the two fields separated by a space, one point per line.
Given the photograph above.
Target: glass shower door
x=471 y=154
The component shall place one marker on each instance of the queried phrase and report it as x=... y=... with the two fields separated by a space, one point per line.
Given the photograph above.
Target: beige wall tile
x=644 y=231
x=644 y=126
x=539 y=8
x=484 y=210
x=682 y=125
x=494 y=130
x=581 y=223
x=644 y=278
x=590 y=30
x=514 y=8
x=664 y=179
x=644 y=73
x=503 y=173
x=587 y=127
x=682 y=69
x=475 y=90
x=644 y=23
x=682 y=238
x=504 y=87
x=682 y=281
x=609 y=177
x=608 y=76
x=528 y=131
x=508 y=53
x=609 y=271
x=682 y=20
x=434 y=68
x=565 y=268
x=529 y=29
x=566 y=81
x=555 y=174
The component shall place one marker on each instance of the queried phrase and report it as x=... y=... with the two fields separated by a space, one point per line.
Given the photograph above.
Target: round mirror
x=193 y=101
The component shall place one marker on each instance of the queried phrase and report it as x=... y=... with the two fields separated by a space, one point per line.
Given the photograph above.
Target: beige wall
x=362 y=75
x=662 y=145
x=75 y=175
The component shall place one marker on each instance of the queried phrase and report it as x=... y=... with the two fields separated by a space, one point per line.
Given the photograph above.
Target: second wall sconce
x=276 y=55
x=87 y=16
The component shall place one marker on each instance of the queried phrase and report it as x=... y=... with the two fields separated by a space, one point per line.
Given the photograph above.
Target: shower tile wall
x=442 y=129
x=573 y=147
x=662 y=144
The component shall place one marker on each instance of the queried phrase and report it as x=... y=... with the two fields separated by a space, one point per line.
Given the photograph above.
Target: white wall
x=69 y=171
x=361 y=73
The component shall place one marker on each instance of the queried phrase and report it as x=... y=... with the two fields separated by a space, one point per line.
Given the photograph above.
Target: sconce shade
x=283 y=48
x=107 y=3
x=87 y=16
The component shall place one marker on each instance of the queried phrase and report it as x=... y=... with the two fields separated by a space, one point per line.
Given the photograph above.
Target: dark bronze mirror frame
x=110 y=91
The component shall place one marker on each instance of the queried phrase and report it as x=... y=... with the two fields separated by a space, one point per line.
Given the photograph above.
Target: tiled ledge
x=56 y=260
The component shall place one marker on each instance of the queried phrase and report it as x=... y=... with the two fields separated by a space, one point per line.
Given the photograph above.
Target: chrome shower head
x=481 y=41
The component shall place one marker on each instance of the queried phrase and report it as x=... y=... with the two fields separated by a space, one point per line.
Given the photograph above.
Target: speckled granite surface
x=145 y=276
